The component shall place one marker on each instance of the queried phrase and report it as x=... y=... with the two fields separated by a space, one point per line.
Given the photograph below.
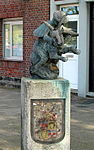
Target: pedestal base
x=45 y=114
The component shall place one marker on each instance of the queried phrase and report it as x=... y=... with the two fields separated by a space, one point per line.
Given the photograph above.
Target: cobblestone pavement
x=82 y=121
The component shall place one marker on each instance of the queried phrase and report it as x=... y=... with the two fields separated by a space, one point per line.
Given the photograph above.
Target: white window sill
x=13 y=59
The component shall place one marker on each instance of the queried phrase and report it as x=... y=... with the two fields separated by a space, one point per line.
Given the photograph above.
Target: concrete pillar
x=39 y=96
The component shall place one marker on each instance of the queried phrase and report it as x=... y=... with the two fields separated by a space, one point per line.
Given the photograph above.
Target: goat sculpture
x=49 y=47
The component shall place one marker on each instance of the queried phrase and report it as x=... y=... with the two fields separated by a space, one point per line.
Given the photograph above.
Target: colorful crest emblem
x=47 y=120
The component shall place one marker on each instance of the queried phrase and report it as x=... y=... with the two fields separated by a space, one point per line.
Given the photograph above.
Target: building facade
x=85 y=63
x=18 y=19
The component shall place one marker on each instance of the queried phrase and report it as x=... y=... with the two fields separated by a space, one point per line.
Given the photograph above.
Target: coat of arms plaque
x=47 y=120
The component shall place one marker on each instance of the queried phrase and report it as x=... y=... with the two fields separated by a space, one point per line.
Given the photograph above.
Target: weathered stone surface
x=44 y=89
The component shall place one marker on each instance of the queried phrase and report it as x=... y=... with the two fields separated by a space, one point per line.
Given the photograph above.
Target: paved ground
x=9 y=119
x=82 y=122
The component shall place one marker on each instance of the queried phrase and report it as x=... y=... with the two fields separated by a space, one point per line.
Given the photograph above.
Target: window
x=70 y=10
x=13 y=39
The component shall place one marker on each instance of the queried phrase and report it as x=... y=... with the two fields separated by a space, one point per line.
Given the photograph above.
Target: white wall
x=83 y=64
x=52 y=8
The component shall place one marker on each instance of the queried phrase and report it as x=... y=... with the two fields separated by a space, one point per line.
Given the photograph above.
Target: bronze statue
x=49 y=47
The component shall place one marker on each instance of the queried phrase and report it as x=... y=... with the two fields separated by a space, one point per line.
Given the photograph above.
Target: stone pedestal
x=45 y=114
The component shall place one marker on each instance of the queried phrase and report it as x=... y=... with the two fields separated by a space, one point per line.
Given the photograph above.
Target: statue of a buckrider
x=49 y=47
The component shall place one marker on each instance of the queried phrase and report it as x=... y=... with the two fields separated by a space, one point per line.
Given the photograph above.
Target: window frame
x=11 y=22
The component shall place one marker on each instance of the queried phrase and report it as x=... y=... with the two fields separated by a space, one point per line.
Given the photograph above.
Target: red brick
x=34 y=12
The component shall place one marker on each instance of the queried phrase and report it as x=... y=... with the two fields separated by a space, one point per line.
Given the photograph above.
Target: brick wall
x=33 y=13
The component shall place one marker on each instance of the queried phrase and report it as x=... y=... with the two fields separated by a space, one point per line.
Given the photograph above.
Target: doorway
x=69 y=70
x=91 y=63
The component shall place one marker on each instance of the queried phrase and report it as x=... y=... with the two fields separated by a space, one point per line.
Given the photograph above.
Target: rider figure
x=43 y=33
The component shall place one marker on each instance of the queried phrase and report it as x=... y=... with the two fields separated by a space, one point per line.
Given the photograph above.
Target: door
x=91 y=64
x=69 y=69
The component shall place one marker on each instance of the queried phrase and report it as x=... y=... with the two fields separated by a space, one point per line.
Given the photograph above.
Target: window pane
x=17 y=40
x=71 y=10
x=73 y=25
x=7 y=40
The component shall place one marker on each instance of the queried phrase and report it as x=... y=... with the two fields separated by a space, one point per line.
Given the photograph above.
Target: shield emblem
x=47 y=120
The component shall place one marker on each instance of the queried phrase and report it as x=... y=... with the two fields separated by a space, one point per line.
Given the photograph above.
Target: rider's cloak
x=42 y=30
